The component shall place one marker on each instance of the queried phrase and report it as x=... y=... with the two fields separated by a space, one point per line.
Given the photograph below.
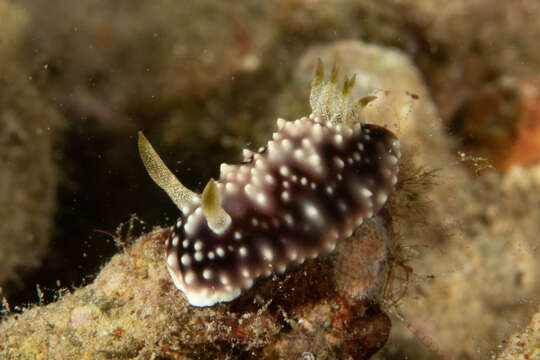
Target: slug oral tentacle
x=183 y=198
x=319 y=178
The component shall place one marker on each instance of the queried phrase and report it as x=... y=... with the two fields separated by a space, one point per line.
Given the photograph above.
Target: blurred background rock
x=29 y=175
x=205 y=78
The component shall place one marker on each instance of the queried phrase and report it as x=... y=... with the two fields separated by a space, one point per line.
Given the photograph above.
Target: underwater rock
x=132 y=309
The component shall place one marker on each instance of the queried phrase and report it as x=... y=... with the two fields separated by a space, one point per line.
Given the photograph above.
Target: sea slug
x=317 y=180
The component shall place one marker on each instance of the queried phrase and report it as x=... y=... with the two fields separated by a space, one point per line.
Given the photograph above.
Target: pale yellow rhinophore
x=217 y=218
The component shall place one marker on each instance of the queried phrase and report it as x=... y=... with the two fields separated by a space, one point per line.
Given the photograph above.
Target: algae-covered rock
x=133 y=310
x=207 y=78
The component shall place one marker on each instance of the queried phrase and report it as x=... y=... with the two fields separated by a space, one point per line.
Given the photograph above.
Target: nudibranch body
x=317 y=180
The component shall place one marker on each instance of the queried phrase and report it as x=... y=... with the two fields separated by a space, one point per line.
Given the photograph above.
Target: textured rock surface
x=472 y=290
x=132 y=310
x=208 y=88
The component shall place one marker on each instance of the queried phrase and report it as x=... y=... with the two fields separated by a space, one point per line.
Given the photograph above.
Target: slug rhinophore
x=317 y=180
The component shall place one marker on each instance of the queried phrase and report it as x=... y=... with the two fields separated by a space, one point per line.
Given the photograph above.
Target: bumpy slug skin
x=317 y=180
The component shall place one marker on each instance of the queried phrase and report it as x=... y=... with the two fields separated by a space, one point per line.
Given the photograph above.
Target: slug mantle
x=317 y=180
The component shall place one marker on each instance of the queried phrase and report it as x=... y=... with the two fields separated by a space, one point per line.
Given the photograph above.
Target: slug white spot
x=207 y=274
x=172 y=260
x=366 y=193
x=242 y=251
x=339 y=163
x=311 y=212
x=381 y=198
x=220 y=252
x=190 y=276
x=269 y=178
x=267 y=254
x=230 y=188
x=289 y=219
x=185 y=260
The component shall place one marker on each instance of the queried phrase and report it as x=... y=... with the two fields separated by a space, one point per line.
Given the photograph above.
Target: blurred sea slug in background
x=317 y=180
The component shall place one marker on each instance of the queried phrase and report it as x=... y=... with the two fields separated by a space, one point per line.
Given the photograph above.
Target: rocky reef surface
x=454 y=256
